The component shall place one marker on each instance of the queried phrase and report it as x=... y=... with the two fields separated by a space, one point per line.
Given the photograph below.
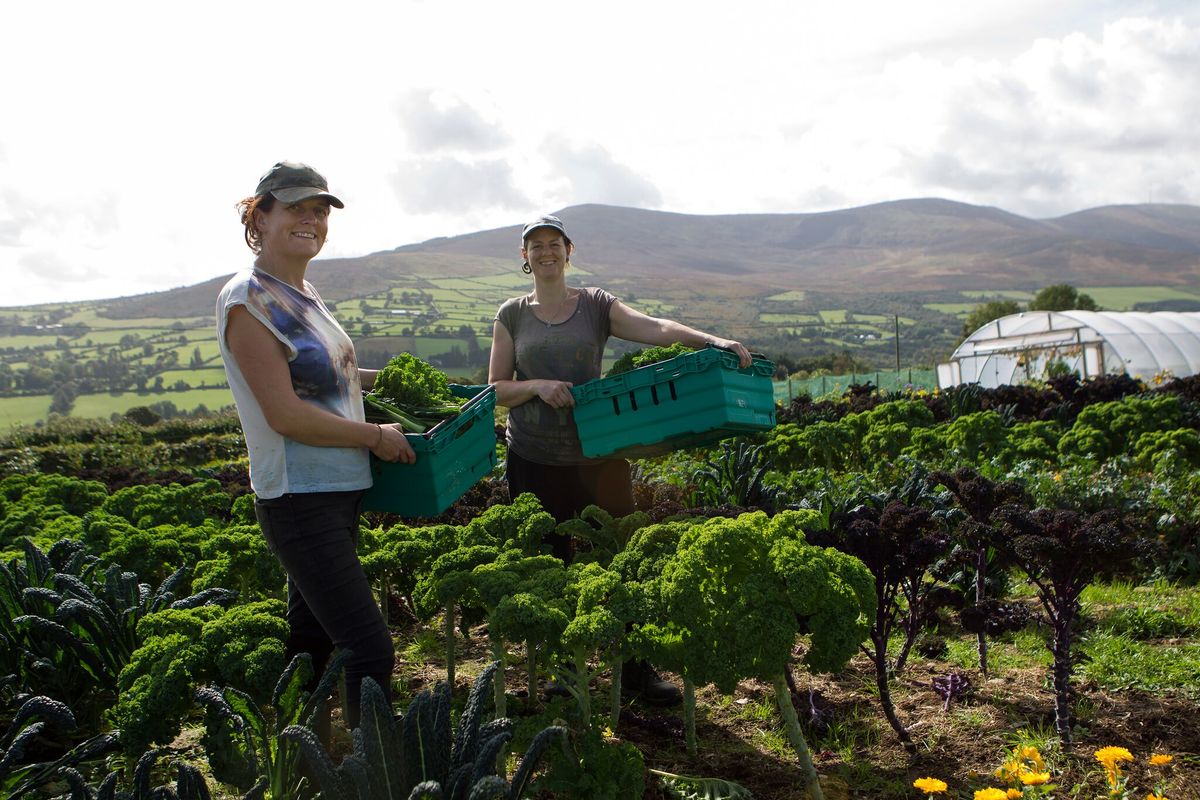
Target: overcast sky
x=129 y=130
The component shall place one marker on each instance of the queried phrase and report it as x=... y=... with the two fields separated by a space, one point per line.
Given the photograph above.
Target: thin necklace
x=558 y=308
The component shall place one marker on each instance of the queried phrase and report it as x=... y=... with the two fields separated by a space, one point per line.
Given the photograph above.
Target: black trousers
x=564 y=491
x=314 y=536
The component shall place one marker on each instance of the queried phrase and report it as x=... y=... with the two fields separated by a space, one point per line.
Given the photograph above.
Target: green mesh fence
x=837 y=384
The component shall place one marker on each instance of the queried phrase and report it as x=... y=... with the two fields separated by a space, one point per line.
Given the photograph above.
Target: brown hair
x=246 y=208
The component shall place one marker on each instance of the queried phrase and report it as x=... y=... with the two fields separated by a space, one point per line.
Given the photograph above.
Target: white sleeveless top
x=324 y=373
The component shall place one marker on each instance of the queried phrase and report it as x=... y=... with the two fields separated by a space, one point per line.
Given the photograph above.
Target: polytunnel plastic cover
x=1021 y=346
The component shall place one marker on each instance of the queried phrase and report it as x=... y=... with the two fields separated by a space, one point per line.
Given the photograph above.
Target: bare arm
x=366 y=377
x=637 y=327
x=510 y=392
x=263 y=362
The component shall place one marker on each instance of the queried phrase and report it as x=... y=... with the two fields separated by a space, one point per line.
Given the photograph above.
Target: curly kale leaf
x=644 y=357
x=413 y=383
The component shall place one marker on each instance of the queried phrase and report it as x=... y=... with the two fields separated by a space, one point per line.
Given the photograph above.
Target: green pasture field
x=435 y=345
x=23 y=341
x=794 y=296
x=209 y=349
x=954 y=309
x=466 y=284
x=198 y=334
x=103 y=406
x=508 y=280
x=212 y=376
x=1001 y=294
x=1122 y=298
x=23 y=410
x=108 y=336
x=465 y=318
x=152 y=322
x=790 y=319
x=388 y=329
x=450 y=296
x=834 y=316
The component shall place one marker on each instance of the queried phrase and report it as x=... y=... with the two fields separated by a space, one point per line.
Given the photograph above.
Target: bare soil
x=858 y=755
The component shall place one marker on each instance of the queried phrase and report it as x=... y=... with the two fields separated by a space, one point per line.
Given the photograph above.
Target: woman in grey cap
x=547 y=341
x=298 y=389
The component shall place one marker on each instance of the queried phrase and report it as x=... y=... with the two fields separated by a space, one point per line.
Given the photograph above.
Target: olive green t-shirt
x=565 y=351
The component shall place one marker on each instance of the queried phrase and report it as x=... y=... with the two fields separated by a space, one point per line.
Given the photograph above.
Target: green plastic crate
x=451 y=458
x=688 y=401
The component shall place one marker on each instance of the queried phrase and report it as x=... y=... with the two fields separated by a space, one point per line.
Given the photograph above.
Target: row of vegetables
x=852 y=560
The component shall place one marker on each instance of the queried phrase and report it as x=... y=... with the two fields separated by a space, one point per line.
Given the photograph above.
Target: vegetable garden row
x=143 y=629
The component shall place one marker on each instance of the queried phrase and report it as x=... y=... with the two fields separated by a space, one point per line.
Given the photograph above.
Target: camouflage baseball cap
x=292 y=182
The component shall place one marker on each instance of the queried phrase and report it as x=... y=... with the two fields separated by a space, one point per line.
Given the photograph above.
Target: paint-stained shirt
x=324 y=373
x=565 y=351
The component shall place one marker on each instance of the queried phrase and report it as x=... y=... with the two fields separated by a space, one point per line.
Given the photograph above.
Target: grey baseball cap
x=546 y=221
x=292 y=182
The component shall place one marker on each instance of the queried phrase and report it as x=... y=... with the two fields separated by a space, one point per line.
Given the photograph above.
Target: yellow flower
x=1109 y=756
x=1009 y=770
x=1014 y=794
x=1153 y=796
x=930 y=785
x=991 y=794
x=1158 y=759
x=1032 y=755
x=1034 y=778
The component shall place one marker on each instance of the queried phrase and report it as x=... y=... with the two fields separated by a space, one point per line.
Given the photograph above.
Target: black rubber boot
x=640 y=680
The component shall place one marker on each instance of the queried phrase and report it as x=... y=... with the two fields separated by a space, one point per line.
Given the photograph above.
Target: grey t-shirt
x=566 y=351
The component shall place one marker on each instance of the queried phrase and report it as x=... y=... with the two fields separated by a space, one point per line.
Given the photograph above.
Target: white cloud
x=435 y=122
x=590 y=174
x=123 y=152
x=452 y=186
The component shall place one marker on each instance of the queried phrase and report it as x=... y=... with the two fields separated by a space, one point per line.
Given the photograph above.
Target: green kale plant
x=421 y=755
x=33 y=719
x=244 y=744
x=646 y=356
x=731 y=602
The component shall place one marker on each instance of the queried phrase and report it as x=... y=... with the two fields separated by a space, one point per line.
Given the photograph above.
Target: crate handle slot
x=654 y=394
x=632 y=400
x=672 y=385
x=616 y=406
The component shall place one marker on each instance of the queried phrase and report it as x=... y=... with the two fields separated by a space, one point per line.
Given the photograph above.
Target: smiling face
x=546 y=252
x=294 y=230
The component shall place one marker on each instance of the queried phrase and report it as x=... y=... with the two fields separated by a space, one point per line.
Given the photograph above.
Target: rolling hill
x=919 y=245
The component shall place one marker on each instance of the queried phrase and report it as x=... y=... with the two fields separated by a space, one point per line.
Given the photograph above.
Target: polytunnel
x=1034 y=344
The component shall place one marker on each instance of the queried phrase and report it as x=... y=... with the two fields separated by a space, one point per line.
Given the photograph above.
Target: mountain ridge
x=912 y=245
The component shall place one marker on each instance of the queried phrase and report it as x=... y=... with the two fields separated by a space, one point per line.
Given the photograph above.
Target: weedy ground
x=1138 y=688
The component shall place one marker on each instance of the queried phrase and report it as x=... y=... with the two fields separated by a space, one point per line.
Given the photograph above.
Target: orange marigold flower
x=1158 y=759
x=930 y=785
x=991 y=794
x=1034 y=778
x=1109 y=756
